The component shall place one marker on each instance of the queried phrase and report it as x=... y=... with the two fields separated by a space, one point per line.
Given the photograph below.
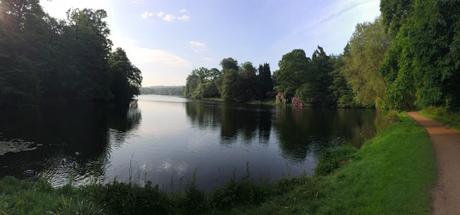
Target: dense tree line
x=314 y=81
x=44 y=59
x=409 y=58
x=235 y=83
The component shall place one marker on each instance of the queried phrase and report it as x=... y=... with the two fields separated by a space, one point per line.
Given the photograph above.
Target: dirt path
x=446 y=143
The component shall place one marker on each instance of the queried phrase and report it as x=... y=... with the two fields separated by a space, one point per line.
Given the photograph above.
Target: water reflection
x=166 y=140
x=246 y=121
x=298 y=130
x=71 y=141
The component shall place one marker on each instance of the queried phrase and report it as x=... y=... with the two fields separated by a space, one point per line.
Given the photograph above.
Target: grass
x=390 y=174
x=441 y=114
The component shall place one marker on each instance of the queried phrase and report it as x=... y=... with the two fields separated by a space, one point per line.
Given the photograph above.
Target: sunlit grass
x=391 y=174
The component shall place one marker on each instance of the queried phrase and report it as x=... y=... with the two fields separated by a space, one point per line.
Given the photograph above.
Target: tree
x=293 y=72
x=126 y=78
x=202 y=83
x=322 y=67
x=264 y=82
x=229 y=63
x=394 y=13
x=341 y=92
x=42 y=59
x=230 y=86
x=363 y=58
x=422 y=66
x=87 y=37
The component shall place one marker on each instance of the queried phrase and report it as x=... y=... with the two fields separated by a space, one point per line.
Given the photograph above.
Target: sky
x=167 y=39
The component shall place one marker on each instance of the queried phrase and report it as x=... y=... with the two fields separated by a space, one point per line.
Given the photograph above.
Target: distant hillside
x=163 y=90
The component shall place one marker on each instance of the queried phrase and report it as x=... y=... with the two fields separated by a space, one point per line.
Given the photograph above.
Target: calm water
x=167 y=140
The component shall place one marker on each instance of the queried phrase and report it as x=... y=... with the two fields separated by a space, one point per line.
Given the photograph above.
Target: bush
x=334 y=158
x=119 y=198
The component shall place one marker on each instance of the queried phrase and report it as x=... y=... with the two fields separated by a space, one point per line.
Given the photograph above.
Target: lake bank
x=401 y=153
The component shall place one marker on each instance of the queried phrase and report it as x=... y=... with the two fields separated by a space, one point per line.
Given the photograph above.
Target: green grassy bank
x=441 y=114
x=390 y=174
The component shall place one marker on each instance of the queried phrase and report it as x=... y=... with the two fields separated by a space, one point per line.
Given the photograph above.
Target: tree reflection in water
x=73 y=141
x=298 y=130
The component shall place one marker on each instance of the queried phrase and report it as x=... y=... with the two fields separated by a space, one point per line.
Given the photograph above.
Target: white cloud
x=146 y=15
x=160 y=14
x=198 y=47
x=158 y=66
x=168 y=17
x=184 y=18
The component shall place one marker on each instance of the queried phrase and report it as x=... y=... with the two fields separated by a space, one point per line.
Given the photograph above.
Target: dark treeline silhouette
x=44 y=59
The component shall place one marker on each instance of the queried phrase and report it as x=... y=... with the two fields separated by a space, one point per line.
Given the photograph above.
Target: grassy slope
x=391 y=174
x=442 y=115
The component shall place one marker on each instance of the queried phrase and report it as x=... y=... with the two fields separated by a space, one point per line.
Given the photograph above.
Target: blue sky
x=166 y=39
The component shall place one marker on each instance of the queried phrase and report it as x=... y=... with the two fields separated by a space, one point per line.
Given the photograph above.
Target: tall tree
x=422 y=66
x=394 y=13
x=126 y=79
x=87 y=35
x=264 y=81
x=363 y=58
x=293 y=72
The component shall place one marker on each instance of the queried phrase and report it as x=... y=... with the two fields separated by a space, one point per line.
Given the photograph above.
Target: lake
x=170 y=141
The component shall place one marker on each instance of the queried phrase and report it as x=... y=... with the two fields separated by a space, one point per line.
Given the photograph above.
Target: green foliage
x=394 y=13
x=422 y=66
x=126 y=78
x=362 y=60
x=233 y=84
x=317 y=81
x=120 y=198
x=42 y=59
x=293 y=70
x=264 y=82
x=444 y=115
x=230 y=86
x=202 y=83
x=340 y=90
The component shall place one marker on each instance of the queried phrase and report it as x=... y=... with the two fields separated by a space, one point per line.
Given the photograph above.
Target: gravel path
x=446 y=143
